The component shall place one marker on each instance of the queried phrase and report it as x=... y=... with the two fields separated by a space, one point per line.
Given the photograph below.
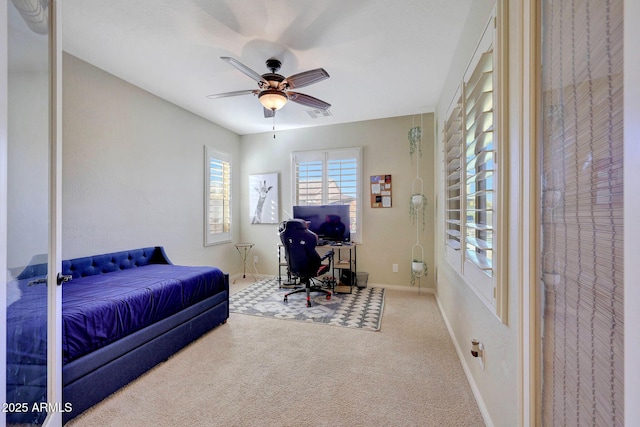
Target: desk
x=244 y=249
x=345 y=259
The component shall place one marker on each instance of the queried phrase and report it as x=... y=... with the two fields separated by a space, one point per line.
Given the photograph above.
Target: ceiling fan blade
x=306 y=78
x=307 y=100
x=268 y=113
x=246 y=70
x=236 y=93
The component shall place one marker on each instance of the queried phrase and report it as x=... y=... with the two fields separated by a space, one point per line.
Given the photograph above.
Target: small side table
x=244 y=249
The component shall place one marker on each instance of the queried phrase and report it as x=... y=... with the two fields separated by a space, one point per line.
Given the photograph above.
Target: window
x=329 y=177
x=217 y=197
x=471 y=176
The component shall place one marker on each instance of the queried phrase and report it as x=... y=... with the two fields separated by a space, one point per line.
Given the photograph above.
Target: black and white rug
x=361 y=309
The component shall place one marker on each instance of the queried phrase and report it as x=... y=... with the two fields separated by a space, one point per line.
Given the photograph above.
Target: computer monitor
x=329 y=222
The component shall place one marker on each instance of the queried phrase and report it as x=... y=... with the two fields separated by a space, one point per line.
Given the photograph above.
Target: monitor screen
x=329 y=222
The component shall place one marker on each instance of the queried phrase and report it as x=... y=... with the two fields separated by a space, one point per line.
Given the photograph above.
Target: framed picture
x=263 y=198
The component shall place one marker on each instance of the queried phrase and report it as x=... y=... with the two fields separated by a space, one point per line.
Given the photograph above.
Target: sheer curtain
x=582 y=213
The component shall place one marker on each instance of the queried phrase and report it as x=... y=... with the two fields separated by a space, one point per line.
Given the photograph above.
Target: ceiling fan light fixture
x=272 y=99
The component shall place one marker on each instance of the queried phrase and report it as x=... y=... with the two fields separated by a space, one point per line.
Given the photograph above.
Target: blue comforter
x=98 y=310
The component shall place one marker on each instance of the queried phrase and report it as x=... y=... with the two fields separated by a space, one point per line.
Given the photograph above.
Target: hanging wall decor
x=417 y=205
x=380 y=191
x=263 y=198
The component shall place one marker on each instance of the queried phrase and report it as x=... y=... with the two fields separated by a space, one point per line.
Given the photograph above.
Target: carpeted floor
x=256 y=371
x=362 y=308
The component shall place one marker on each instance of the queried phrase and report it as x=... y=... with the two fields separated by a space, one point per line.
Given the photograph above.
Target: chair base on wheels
x=308 y=289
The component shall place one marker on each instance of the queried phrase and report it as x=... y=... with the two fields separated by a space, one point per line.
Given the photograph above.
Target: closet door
x=31 y=149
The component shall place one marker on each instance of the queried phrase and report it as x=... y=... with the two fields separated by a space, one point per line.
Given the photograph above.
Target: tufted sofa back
x=107 y=263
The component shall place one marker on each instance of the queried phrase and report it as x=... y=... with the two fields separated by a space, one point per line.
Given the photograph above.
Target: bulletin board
x=380 y=191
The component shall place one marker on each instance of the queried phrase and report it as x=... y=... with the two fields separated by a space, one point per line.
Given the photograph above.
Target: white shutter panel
x=308 y=183
x=218 y=197
x=479 y=156
x=453 y=174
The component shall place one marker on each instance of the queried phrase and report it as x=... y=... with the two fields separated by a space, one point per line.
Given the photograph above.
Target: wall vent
x=314 y=114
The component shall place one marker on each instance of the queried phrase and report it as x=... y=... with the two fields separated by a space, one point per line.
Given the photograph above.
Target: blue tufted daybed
x=122 y=314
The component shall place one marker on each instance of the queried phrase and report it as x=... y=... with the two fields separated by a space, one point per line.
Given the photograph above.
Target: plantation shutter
x=479 y=154
x=329 y=177
x=342 y=172
x=309 y=176
x=218 y=198
x=453 y=173
x=470 y=176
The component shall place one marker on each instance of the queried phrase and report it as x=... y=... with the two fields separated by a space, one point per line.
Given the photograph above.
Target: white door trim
x=54 y=317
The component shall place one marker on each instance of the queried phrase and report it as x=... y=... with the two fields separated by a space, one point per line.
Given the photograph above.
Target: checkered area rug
x=361 y=309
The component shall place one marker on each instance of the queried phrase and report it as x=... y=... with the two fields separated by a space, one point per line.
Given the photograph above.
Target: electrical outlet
x=255 y=259
x=478 y=351
x=394 y=268
x=481 y=358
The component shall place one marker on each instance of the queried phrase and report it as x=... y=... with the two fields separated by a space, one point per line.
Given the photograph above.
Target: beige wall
x=387 y=233
x=133 y=170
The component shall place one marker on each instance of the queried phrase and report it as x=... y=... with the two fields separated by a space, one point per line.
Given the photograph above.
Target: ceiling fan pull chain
x=274 y=125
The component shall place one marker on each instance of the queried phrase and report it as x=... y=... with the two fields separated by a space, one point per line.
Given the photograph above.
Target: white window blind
x=479 y=164
x=329 y=177
x=217 y=197
x=471 y=221
x=309 y=180
x=343 y=182
x=452 y=178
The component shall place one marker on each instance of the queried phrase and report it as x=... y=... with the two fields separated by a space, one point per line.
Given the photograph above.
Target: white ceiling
x=385 y=58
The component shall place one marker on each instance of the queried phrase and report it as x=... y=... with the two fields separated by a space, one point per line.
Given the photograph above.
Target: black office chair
x=302 y=259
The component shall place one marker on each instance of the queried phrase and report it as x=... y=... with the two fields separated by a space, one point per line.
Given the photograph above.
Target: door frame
x=54 y=315
x=528 y=300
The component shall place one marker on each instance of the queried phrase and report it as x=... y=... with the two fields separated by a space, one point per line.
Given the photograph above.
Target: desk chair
x=302 y=259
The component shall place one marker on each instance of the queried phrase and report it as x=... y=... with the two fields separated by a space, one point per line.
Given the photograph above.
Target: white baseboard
x=233 y=278
x=467 y=371
x=402 y=288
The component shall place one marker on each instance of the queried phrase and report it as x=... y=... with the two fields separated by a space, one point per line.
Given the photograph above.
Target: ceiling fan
x=274 y=90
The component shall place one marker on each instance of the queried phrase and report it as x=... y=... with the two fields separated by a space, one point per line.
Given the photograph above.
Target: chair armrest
x=328 y=254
